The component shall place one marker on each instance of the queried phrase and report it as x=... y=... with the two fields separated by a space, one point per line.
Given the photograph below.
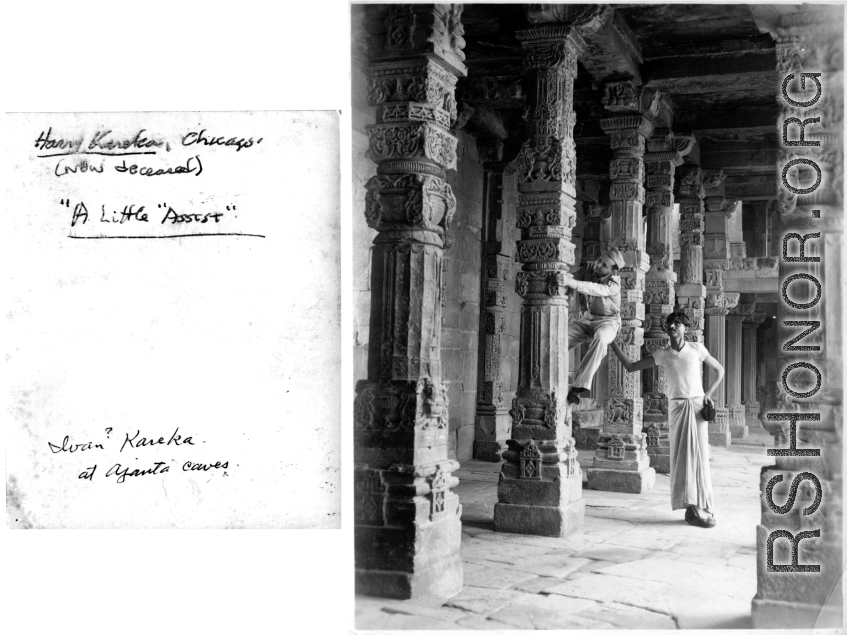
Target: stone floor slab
x=649 y=538
x=478 y=623
x=547 y=612
x=495 y=578
x=400 y=621
x=537 y=585
x=421 y=609
x=472 y=530
x=628 y=617
x=702 y=548
x=682 y=573
x=469 y=565
x=613 y=553
x=698 y=608
x=551 y=566
x=481 y=600
x=506 y=552
x=604 y=588
x=533 y=541
x=605 y=527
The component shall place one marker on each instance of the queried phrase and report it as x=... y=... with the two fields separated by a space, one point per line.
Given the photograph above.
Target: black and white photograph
x=597 y=287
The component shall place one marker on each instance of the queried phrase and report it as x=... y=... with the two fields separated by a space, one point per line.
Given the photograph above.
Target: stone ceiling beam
x=752 y=187
x=690 y=117
x=737 y=160
x=493 y=92
x=713 y=47
x=750 y=71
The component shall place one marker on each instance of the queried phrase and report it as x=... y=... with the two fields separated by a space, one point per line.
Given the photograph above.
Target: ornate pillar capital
x=415 y=31
x=720 y=205
x=627 y=96
x=720 y=302
x=713 y=179
x=587 y=17
x=690 y=183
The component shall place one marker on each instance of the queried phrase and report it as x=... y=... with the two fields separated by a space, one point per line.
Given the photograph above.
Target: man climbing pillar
x=601 y=320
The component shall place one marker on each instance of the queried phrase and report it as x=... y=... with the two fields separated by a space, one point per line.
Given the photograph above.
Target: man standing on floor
x=602 y=283
x=691 y=481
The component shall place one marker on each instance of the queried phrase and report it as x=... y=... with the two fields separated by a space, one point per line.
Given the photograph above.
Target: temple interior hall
x=499 y=148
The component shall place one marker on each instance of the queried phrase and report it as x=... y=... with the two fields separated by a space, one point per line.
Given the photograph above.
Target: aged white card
x=173 y=320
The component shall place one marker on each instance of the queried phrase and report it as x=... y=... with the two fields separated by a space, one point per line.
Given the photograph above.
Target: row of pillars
x=403 y=474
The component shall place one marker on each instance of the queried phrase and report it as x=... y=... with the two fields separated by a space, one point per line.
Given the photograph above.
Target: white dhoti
x=601 y=331
x=691 y=482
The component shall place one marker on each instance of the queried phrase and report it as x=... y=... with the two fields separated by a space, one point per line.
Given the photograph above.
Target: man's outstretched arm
x=631 y=367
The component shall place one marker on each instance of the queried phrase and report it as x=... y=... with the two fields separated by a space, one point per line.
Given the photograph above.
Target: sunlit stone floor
x=635 y=564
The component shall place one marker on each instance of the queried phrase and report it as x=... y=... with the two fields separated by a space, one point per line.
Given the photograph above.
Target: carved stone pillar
x=716 y=253
x=792 y=598
x=493 y=423
x=718 y=305
x=691 y=292
x=407 y=519
x=621 y=463
x=540 y=488
x=734 y=373
x=665 y=154
x=749 y=367
x=596 y=222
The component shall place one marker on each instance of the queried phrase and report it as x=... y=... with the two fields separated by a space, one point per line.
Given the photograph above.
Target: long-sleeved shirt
x=604 y=294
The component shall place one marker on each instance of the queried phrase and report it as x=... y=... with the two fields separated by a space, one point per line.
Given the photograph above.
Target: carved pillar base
x=537 y=498
x=658 y=443
x=587 y=425
x=412 y=548
x=492 y=430
x=622 y=464
x=751 y=415
x=719 y=433
x=737 y=424
x=775 y=614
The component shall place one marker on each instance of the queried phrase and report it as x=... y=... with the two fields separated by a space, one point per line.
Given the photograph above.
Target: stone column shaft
x=691 y=292
x=407 y=519
x=718 y=303
x=750 y=371
x=665 y=154
x=716 y=343
x=540 y=487
x=493 y=424
x=734 y=375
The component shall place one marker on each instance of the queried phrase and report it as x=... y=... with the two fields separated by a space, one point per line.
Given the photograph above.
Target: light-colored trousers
x=600 y=332
x=691 y=480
